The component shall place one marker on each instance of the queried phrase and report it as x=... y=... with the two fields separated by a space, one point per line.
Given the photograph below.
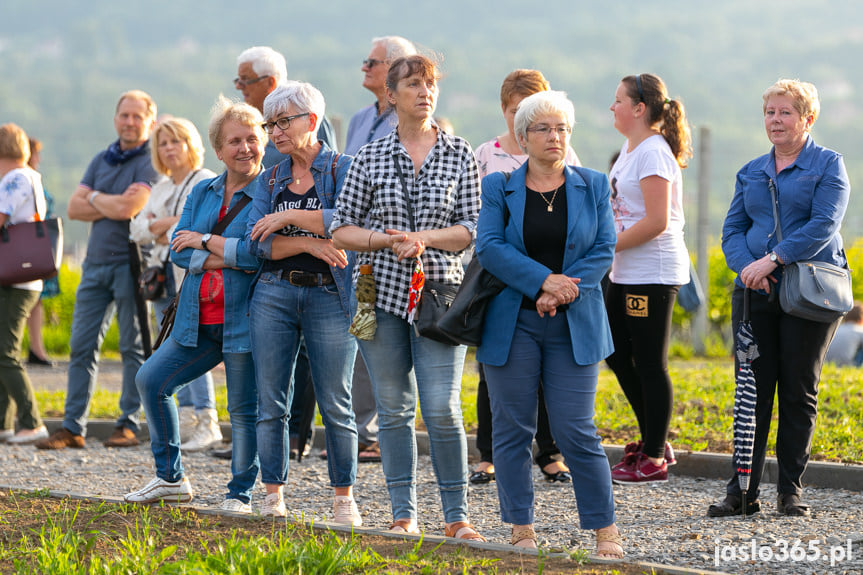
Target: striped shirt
x=445 y=193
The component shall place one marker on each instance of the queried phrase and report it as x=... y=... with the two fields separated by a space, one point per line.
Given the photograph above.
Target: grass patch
x=70 y=537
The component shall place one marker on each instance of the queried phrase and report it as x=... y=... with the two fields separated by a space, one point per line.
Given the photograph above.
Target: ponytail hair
x=667 y=115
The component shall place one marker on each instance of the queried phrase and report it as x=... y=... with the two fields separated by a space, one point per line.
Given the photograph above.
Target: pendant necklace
x=550 y=204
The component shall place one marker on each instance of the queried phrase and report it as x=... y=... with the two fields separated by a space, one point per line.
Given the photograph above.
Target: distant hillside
x=63 y=65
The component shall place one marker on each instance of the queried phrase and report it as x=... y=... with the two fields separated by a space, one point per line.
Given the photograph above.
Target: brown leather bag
x=30 y=251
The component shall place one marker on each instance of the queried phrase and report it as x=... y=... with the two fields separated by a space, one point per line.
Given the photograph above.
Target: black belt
x=308 y=279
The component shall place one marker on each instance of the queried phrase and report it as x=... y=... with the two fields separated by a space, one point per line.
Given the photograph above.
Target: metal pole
x=700 y=321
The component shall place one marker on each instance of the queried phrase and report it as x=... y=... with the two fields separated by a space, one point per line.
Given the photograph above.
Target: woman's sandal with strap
x=521 y=534
x=608 y=537
x=403 y=526
x=463 y=530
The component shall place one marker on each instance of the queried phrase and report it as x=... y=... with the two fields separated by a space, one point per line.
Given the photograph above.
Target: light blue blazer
x=590 y=241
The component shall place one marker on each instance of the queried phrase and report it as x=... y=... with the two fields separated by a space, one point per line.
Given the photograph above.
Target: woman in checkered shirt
x=374 y=216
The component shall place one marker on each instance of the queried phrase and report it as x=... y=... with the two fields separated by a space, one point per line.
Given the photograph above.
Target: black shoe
x=732 y=505
x=226 y=453
x=481 y=477
x=789 y=504
x=33 y=359
x=557 y=476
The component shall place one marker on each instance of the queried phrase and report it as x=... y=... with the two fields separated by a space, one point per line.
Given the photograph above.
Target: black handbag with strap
x=171 y=311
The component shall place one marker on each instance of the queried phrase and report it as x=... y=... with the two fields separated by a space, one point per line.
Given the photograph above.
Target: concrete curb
x=694 y=464
x=657 y=568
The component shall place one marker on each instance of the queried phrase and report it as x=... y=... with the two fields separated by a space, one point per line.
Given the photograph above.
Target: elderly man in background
x=259 y=70
x=114 y=189
x=370 y=123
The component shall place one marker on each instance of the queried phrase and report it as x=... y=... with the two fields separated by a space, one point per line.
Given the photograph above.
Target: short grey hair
x=539 y=104
x=265 y=62
x=395 y=47
x=226 y=110
x=304 y=97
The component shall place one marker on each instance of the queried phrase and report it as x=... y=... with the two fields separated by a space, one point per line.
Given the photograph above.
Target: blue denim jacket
x=812 y=194
x=328 y=189
x=200 y=214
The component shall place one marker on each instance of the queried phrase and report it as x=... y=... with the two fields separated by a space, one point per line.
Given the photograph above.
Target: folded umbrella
x=744 y=400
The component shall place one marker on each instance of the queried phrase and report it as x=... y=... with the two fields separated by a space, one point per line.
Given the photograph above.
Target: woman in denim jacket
x=212 y=323
x=812 y=191
x=302 y=292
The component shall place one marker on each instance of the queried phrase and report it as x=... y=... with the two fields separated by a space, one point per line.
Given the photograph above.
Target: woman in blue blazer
x=547 y=231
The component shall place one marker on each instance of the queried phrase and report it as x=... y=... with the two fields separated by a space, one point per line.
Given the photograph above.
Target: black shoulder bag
x=171 y=310
x=436 y=297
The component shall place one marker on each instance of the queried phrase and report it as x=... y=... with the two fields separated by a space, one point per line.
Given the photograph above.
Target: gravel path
x=661 y=523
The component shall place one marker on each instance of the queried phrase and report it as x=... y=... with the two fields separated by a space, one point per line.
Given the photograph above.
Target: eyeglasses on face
x=283 y=123
x=240 y=83
x=544 y=130
x=371 y=62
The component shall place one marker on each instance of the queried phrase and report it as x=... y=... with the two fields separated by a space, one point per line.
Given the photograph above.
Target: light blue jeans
x=403 y=367
x=199 y=393
x=280 y=314
x=542 y=352
x=169 y=369
x=103 y=288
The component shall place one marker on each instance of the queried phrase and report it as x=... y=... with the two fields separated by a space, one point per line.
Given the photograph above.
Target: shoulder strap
x=405 y=192
x=333 y=168
x=272 y=181
x=229 y=217
x=777 y=226
x=180 y=195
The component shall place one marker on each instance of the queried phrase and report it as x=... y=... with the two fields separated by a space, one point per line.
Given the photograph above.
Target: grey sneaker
x=26 y=436
x=161 y=490
x=346 y=512
x=235 y=506
x=5 y=434
x=273 y=506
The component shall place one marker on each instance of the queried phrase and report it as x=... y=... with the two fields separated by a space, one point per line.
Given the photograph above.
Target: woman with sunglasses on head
x=650 y=264
x=302 y=291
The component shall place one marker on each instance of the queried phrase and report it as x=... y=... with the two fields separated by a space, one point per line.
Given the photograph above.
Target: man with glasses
x=378 y=119
x=259 y=70
x=114 y=189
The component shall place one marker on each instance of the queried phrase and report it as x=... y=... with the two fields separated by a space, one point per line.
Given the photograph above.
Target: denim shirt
x=264 y=202
x=812 y=195
x=200 y=214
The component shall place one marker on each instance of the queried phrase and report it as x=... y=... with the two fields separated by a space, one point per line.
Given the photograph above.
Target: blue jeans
x=170 y=368
x=199 y=393
x=541 y=351
x=403 y=367
x=280 y=314
x=103 y=288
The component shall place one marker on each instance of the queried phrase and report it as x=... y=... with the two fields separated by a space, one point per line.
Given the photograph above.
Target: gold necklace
x=550 y=204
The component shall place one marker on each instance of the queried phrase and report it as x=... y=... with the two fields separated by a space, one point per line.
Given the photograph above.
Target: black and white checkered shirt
x=445 y=193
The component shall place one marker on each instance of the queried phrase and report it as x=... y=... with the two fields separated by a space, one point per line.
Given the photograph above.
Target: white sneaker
x=235 y=506
x=188 y=422
x=5 y=434
x=273 y=506
x=207 y=433
x=28 y=436
x=161 y=490
x=346 y=512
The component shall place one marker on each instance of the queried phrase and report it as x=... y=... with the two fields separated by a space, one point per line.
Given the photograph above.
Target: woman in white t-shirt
x=21 y=200
x=650 y=264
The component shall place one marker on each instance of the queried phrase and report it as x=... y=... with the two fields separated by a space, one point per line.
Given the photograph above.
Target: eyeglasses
x=371 y=62
x=544 y=130
x=239 y=83
x=638 y=88
x=283 y=123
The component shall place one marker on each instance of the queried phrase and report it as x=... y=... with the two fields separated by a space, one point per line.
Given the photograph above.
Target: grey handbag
x=812 y=290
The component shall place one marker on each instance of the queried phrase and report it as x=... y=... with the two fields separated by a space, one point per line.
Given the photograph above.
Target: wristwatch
x=773 y=257
x=204 y=239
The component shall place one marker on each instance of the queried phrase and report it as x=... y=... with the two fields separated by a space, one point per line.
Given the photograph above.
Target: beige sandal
x=463 y=530
x=608 y=537
x=521 y=534
x=403 y=526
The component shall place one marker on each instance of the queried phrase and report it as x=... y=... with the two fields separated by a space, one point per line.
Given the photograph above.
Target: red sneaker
x=629 y=461
x=669 y=455
x=643 y=472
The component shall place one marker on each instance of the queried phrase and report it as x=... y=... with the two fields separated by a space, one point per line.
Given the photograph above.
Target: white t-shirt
x=664 y=259
x=17 y=190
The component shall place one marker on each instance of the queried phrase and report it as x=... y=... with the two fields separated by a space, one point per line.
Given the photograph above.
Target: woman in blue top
x=812 y=192
x=548 y=233
x=212 y=322
x=302 y=292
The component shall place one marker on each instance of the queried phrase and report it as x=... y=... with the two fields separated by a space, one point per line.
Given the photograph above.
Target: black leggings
x=640 y=320
x=547 y=452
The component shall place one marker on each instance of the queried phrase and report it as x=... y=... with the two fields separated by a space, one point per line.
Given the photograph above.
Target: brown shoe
x=61 y=439
x=122 y=437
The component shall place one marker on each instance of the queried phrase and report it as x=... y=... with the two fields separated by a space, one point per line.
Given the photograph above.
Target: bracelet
x=370 y=240
x=92 y=196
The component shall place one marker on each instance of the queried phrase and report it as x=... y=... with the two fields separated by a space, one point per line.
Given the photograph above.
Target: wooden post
x=700 y=322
